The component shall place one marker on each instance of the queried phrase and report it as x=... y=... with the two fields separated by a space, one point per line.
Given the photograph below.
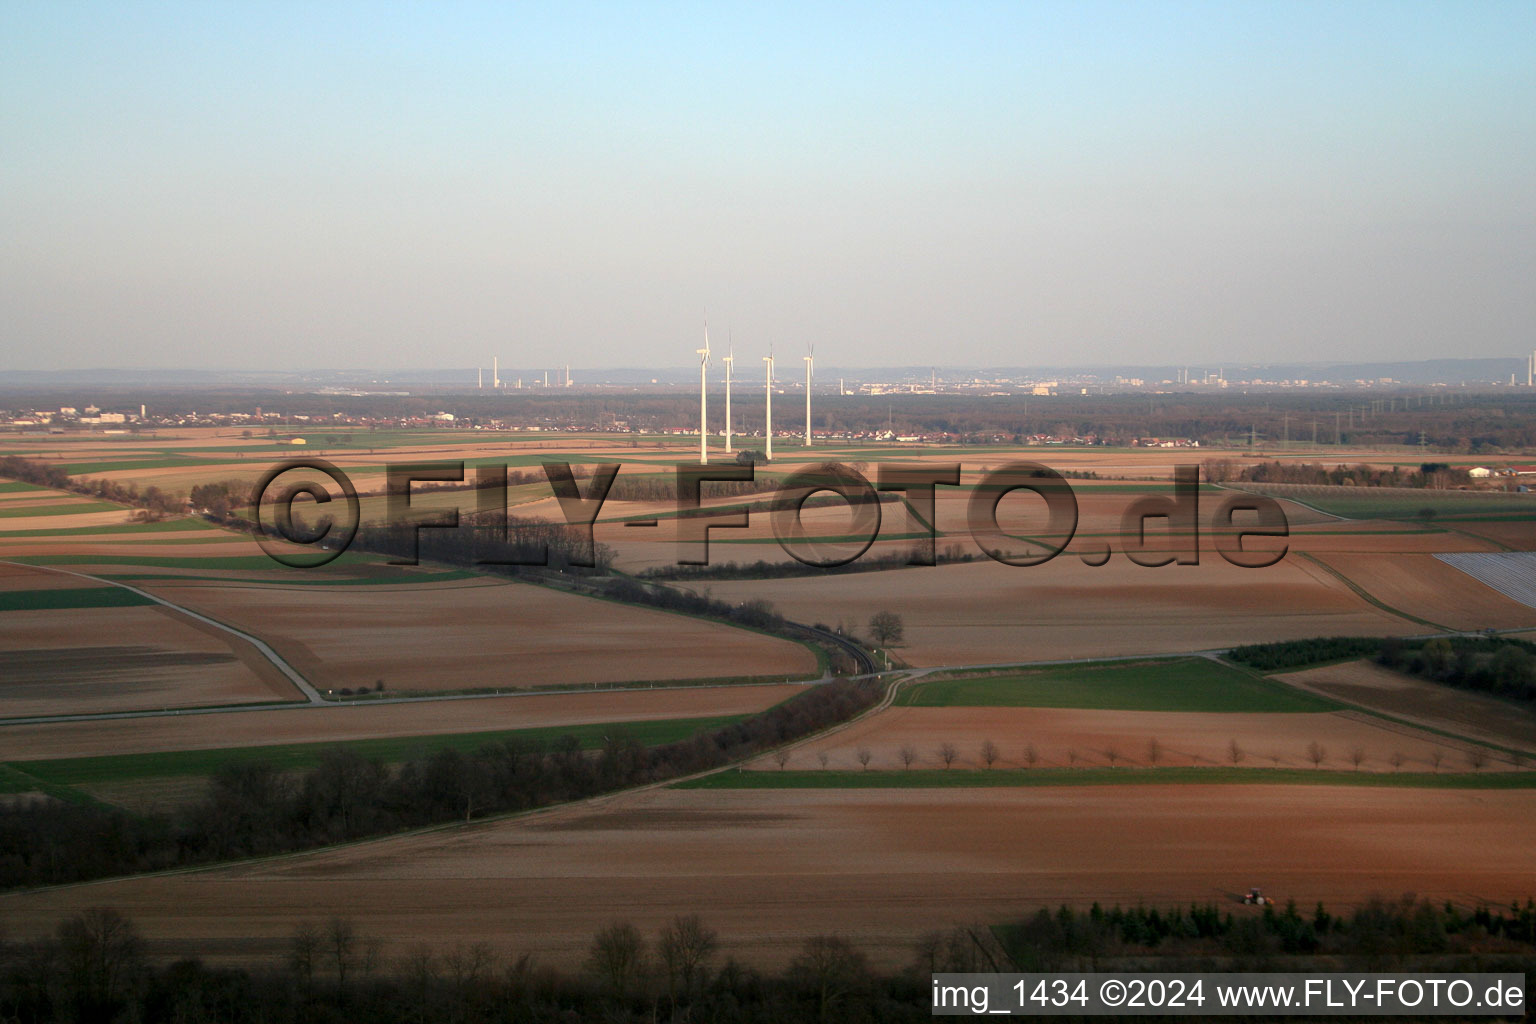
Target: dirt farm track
x=881 y=867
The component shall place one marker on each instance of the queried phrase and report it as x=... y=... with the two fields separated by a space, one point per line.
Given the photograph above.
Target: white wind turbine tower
x=730 y=358
x=810 y=360
x=768 y=431
x=703 y=393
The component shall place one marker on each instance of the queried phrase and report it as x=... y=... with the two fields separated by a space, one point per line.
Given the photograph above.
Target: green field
x=17 y=487
x=976 y=778
x=238 y=562
x=20 y=776
x=1181 y=684
x=83 y=597
x=79 y=508
x=124 y=465
x=130 y=529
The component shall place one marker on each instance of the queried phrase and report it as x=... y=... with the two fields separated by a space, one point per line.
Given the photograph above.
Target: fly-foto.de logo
x=1155 y=529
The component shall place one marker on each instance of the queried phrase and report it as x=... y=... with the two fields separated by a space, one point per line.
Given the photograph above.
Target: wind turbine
x=810 y=360
x=703 y=398
x=768 y=431
x=730 y=358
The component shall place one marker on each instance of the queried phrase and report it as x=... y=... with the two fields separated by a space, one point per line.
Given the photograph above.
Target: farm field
x=1423 y=586
x=1080 y=738
x=73 y=645
x=367 y=721
x=841 y=847
x=879 y=867
x=1187 y=712
x=1417 y=700
x=159 y=781
x=483 y=635
x=987 y=613
x=1403 y=502
x=1182 y=684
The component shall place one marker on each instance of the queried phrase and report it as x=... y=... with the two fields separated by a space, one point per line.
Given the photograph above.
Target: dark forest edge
x=254 y=809
x=1501 y=666
x=95 y=967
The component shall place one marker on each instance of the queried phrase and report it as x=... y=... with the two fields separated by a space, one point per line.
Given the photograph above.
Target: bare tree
x=828 y=968
x=1316 y=753
x=886 y=628
x=947 y=753
x=617 y=956
x=1357 y=757
x=1071 y=756
x=1275 y=757
x=1435 y=757
x=304 y=954
x=1154 y=751
x=467 y=966
x=341 y=943
x=989 y=753
x=1396 y=760
x=1235 y=752
x=781 y=757
x=908 y=754
x=686 y=947
x=821 y=755
x=1517 y=758
x=1031 y=755
x=101 y=951
x=864 y=755
x=1111 y=754
x=1477 y=757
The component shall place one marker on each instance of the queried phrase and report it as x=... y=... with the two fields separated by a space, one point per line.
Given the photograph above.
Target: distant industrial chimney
x=496 y=372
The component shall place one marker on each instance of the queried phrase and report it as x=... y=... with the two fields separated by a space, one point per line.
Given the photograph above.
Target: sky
x=287 y=186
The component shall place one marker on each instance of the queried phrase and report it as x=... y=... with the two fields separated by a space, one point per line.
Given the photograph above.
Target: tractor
x=1256 y=898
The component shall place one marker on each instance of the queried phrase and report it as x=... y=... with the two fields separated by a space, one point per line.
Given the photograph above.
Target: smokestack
x=1530 y=371
x=567 y=374
x=480 y=378
x=496 y=372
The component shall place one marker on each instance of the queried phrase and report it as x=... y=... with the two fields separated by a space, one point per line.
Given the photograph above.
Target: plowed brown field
x=483 y=636
x=769 y=867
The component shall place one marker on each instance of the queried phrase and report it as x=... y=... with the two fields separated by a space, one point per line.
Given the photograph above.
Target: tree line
x=155 y=503
x=1432 y=475
x=1502 y=666
x=95 y=967
x=256 y=809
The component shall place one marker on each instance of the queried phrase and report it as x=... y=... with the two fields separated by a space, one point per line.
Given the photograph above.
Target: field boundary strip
x=968 y=778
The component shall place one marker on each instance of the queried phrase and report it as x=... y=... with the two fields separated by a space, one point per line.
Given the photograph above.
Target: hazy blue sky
x=425 y=184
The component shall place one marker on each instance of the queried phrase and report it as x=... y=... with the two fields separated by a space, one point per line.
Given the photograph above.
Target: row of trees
x=989 y=755
x=1376 y=935
x=1433 y=475
x=155 y=502
x=95 y=968
x=1273 y=657
x=255 y=809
